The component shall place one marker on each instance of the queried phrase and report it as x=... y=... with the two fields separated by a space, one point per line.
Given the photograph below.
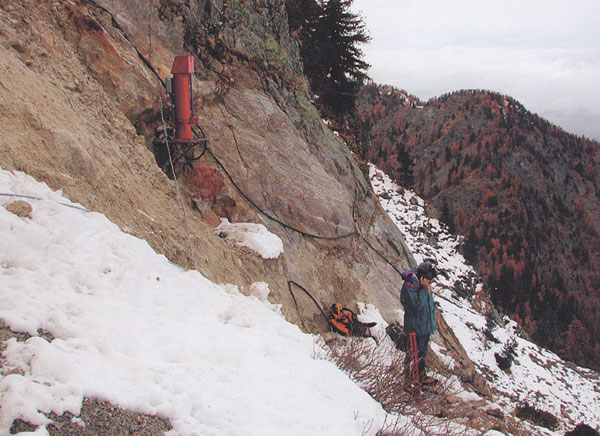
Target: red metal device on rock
x=182 y=142
x=203 y=182
x=183 y=100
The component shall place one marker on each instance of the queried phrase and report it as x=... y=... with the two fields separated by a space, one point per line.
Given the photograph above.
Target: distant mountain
x=523 y=192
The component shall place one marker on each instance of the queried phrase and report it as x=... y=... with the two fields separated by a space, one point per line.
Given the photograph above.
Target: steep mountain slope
x=519 y=372
x=73 y=283
x=81 y=98
x=524 y=193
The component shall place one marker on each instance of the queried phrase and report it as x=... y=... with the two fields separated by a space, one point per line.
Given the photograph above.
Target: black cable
x=296 y=304
x=271 y=217
x=380 y=255
x=181 y=154
x=354 y=233
x=291 y=282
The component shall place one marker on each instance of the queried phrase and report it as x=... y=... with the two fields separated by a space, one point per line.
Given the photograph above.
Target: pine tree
x=330 y=35
x=301 y=15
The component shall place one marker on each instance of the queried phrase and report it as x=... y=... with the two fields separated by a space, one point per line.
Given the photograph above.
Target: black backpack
x=396 y=332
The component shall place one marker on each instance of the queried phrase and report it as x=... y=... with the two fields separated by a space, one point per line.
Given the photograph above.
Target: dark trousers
x=422 y=346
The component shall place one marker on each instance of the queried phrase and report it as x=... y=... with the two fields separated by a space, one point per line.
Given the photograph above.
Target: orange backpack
x=341 y=319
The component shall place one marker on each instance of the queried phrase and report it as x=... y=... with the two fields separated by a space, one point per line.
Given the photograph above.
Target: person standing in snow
x=419 y=321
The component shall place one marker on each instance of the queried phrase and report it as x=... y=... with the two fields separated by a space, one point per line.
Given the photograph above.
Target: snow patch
x=253 y=236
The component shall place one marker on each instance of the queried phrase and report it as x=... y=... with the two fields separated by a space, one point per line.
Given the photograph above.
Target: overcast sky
x=544 y=53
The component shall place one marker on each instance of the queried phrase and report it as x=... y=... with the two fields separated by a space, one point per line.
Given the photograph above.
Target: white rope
x=179 y=197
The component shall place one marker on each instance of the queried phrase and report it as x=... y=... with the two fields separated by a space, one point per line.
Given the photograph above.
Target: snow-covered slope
x=536 y=377
x=140 y=332
x=123 y=324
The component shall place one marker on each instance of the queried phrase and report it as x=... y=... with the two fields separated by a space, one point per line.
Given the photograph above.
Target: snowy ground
x=140 y=332
x=129 y=327
x=537 y=377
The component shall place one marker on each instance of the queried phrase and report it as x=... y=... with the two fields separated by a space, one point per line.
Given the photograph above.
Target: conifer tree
x=330 y=36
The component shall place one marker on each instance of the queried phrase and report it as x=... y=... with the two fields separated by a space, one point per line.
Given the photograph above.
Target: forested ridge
x=524 y=193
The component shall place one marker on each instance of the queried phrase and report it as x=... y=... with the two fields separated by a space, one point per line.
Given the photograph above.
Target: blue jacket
x=418 y=305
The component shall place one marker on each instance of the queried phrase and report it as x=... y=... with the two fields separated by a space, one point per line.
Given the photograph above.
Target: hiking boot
x=429 y=381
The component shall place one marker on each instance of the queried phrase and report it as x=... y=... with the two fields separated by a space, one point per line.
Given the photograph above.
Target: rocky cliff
x=81 y=95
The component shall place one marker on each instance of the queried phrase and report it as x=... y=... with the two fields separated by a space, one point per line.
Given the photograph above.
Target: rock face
x=81 y=90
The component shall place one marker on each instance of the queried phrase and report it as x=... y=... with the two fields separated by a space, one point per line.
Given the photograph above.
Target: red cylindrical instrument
x=182 y=70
